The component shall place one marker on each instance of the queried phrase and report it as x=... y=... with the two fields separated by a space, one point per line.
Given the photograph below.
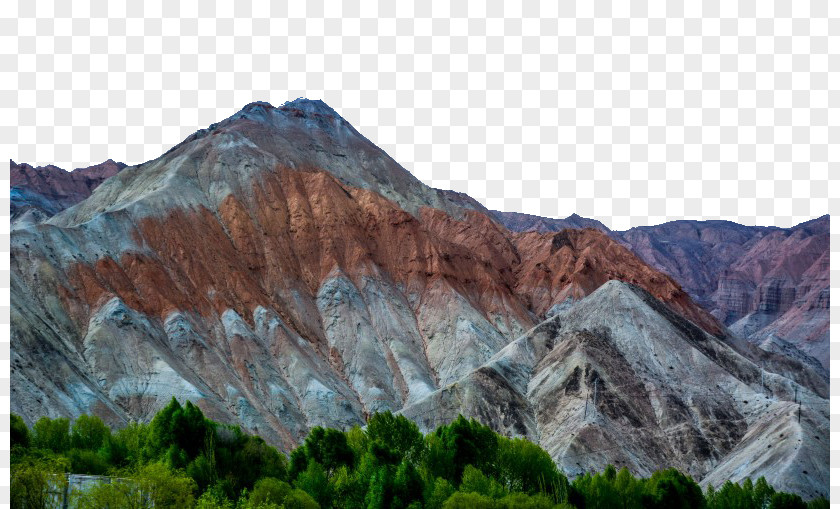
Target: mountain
x=519 y=222
x=282 y=272
x=39 y=193
x=768 y=284
x=618 y=378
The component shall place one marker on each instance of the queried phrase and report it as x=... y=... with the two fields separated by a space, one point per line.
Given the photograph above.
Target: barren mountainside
x=38 y=193
x=768 y=284
x=282 y=272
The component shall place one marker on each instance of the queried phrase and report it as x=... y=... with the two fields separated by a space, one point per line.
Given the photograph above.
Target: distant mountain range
x=282 y=272
x=767 y=284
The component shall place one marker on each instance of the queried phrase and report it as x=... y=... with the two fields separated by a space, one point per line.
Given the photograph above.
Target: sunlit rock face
x=282 y=272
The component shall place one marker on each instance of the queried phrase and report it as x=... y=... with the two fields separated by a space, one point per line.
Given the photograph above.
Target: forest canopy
x=182 y=459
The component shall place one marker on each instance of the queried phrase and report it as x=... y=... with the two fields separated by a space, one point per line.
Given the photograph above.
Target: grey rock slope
x=282 y=272
x=277 y=268
x=620 y=379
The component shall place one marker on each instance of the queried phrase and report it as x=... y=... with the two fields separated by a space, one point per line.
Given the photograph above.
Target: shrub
x=30 y=486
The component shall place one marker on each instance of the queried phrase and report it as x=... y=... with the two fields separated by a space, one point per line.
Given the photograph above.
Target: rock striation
x=595 y=384
x=40 y=192
x=282 y=272
x=270 y=264
x=768 y=284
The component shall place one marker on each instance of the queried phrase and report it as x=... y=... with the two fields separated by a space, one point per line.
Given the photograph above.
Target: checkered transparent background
x=629 y=112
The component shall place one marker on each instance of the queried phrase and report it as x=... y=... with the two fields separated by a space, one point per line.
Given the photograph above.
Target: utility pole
x=796 y=394
x=763 y=389
x=799 y=419
x=586 y=406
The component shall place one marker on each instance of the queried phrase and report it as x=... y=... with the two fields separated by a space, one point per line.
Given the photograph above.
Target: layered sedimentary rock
x=519 y=222
x=789 y=271
x=40 y=192
x=618 y=378
x=282 y=272
x=768 y=284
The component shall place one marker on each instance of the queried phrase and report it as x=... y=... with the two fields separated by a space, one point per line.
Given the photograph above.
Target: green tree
x=215 y=497
x=461 y=500
x=299 y=499
x=474 y=481
x=599 y=490
x=269 y=490
x=52 y=434
x=88 y=432
x=407 y=485
x=379 y=489
x=298 y=462
x=83 y=461
x=349 y=486
x=629 y=489
x=127 y=446
x=471 y=443
x=438 y=460
x=438 y=492
x=177 y=428
x=762 y=493
x=31 y=485
x=819 y=503
x=165 y=487
x=358 y=441
x=19 y=432
x=398 y=433
x=671 y=489
x=202 y=470
x=123 y=494
x=787 y=501
x=255 y=459
x=525 y=466
x=329 y=448
x=524 y=501
x=314 y=482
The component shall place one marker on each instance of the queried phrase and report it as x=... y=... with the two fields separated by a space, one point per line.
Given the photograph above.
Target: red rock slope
x=283 y=272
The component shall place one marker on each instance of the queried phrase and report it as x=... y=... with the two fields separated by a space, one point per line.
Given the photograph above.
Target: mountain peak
x=301 y=107
x=310 y=106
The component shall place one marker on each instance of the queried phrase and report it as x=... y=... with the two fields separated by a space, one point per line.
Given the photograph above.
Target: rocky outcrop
x=570 y=264
x=281 y=271
x=594 y=385
x=761 y=281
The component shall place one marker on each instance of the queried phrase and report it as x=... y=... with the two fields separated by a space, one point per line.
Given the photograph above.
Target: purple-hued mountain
x=519 y=222
x=40 y=192
x=768 y=284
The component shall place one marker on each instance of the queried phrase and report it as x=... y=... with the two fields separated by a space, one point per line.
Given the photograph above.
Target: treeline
x=181 y=459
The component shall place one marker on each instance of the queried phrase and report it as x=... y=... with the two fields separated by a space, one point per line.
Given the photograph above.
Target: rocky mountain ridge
x=38 y=193
x=767 y=284
x=594 y=385
x=282 y=272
